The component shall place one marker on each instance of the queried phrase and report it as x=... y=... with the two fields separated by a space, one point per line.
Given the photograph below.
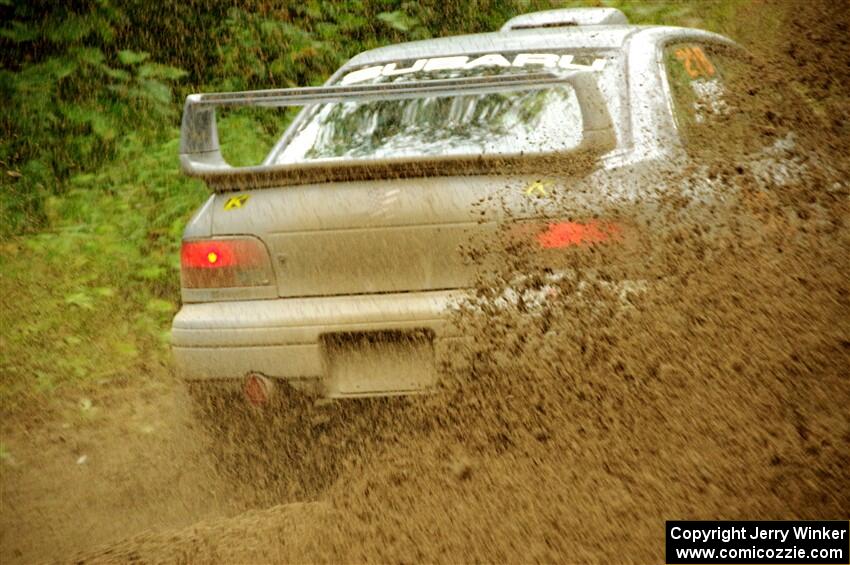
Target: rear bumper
x=283 y=338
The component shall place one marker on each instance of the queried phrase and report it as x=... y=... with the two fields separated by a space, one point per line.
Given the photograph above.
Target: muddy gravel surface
x=119 y=463
x=698 y=371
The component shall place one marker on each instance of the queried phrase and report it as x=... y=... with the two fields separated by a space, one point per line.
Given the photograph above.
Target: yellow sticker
x=236 y=201
x=538 y=188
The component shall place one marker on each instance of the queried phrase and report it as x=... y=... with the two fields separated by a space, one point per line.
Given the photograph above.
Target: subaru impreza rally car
x=334 y=265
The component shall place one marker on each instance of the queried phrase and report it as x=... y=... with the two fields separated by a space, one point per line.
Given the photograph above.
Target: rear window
x=511 y=122
x=721 y=101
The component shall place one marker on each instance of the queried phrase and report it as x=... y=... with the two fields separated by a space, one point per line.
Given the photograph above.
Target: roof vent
x=568 y=17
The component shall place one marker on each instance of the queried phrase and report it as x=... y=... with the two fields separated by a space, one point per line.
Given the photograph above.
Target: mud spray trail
x=716 y=389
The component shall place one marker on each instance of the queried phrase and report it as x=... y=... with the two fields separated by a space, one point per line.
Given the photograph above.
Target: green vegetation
x=92 y=204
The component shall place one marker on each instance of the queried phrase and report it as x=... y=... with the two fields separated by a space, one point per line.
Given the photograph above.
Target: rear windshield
x=511 y=122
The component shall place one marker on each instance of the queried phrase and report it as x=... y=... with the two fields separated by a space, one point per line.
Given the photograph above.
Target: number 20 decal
x=695 y=62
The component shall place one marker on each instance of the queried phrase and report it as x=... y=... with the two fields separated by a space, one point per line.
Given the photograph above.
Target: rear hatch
x=387 y=181
x=379 y=236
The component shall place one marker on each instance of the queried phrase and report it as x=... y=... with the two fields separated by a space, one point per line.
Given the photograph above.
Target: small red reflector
x=565 y=234
x=258 y=390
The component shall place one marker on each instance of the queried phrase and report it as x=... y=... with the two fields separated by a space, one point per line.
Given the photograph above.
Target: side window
x=715 y=99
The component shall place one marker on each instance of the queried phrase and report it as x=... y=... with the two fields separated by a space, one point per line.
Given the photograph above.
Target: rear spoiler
x=200 y=153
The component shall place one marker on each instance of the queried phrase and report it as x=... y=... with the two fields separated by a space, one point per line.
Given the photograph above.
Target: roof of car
x=590 y=37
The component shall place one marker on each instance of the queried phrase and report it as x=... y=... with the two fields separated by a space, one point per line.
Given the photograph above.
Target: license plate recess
x=379 y=363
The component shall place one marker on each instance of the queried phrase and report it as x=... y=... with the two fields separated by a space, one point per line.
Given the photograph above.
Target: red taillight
x=217 y=263
x=565 y=234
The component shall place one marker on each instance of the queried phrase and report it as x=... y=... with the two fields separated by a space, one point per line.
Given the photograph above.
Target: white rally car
x=334 y=265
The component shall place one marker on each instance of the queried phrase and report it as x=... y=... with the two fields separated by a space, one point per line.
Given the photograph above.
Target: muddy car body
x=335 y=264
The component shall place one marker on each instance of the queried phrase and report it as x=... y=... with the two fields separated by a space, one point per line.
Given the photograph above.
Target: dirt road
x=579 y=429
x=123 y=462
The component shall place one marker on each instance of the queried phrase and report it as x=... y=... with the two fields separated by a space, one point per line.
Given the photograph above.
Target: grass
x=90 y=299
